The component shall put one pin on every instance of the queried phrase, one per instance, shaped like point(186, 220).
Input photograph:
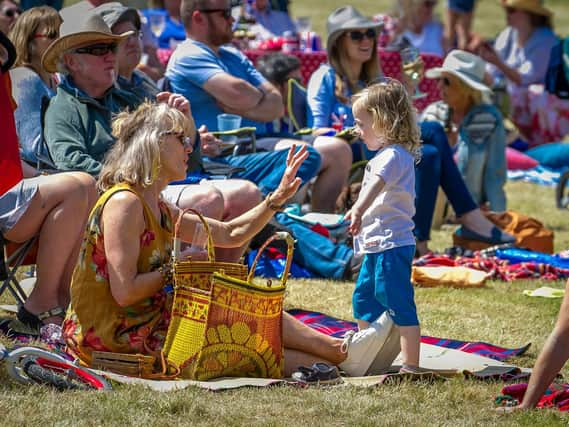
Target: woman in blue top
point(32, 33)
point(352, 65)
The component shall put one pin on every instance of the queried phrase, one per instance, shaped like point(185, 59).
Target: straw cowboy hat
point(467, 67)
point(78, 33)
point(347, 18)
point(533, 6)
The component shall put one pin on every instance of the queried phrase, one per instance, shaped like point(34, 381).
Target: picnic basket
point(225, 324)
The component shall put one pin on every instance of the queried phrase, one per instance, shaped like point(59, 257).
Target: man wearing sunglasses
point(220, 79)
point(77, 125)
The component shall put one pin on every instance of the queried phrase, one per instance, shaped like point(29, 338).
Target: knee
point(433, 133)
point(88, 187)
point(245, 197)
point(204, 198)
point(334, 151)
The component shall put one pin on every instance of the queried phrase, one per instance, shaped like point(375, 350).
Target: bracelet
point(271, 205)
point(166, 272)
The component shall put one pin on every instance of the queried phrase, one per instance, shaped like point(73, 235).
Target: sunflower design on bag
point(231, 351)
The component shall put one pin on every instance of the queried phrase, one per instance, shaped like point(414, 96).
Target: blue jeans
point(437, 168)
point(316, 252)
point(266, 168)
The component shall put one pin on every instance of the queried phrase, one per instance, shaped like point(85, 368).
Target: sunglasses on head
point(10, 13)
point(358, 36)
point(225, 12)
point(98, 49)
point(51, 35)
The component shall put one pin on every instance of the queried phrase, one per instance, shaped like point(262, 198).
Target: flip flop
point(319, 373)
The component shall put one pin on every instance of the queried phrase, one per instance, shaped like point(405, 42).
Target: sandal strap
point(54, 312)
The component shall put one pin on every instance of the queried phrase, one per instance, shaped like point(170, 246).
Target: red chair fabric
point(390, 64)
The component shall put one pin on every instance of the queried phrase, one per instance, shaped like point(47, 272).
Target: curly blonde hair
point(393, 114)
point(134, 159)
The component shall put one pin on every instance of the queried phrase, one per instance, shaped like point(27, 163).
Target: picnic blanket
point(556, 396)
point(500, 269)
point(539, 175)
point(337, 328)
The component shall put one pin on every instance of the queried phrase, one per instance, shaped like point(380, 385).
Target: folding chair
point(14, 256)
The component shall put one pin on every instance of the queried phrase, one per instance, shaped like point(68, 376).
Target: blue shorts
point(384, 284)
point(464, 6)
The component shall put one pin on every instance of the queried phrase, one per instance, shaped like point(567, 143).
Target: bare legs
point(457, 29)
point(336, 157)
point(58, 212)
point(304, 346)
point(222, 200)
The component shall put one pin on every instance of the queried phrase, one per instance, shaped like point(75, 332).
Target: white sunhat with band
point(80, 32)
point(466, 66)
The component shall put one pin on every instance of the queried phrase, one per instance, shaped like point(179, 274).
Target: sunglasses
point(358, 36)
point(51, 35)
point(10, 13)
point(430, 3)
point(225, 12)
point(445, 81)
point(98, 49)
point(186, 141)
point(510, 10)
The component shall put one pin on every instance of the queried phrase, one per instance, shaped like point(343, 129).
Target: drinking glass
point(157, 23)
point(413, 67)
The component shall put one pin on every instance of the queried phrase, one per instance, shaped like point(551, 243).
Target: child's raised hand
point(355, 219)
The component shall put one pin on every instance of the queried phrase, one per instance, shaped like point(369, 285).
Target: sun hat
point(79, 32)
point(347, 18)
point(533, 6)
point(466, 66)
point(114, 13)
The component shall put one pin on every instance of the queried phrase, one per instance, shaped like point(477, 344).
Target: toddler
point(382, 216)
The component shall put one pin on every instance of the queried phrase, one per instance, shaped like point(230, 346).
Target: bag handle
point(279, 235)
point(177, 242)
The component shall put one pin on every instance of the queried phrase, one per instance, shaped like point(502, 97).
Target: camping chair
point(14, 256)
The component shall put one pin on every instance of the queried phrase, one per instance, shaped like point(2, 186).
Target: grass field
point(498, 313)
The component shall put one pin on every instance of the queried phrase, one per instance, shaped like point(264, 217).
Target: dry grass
point(498, 313)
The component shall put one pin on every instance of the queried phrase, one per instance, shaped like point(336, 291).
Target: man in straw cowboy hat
point(78, 120)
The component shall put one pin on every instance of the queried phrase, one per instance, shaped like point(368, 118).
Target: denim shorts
point(15, 202)
point(464, 6)
point(384, 284)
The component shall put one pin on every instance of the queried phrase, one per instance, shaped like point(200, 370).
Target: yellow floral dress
point(94, 321)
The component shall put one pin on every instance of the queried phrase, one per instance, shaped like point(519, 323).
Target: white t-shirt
point(388, 222)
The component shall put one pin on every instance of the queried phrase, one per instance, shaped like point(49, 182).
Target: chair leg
point(10, 282)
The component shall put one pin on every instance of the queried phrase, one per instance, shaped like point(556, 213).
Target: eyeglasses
point(186, 141)
point(358, 36)
point(98, 49)
point(10, 13)
point(225, 12)
point(51, 35)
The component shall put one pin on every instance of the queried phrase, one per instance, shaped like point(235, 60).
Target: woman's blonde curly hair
point(393, 114)
point(134, 159)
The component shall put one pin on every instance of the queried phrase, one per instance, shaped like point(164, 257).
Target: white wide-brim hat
point(90, 29)
point(466, 66)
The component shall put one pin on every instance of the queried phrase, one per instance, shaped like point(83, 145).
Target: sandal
point(319, 373)
point(29, 324)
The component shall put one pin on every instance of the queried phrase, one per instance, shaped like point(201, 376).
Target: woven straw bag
point(226, 325)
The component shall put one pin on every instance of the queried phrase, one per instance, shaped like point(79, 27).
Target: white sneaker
point(391, 346)
point(364, 346)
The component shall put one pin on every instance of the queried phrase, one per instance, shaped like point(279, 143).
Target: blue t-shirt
point(322, 101)
point(193, 63)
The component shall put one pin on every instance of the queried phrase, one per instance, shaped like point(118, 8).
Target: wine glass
point(157, 23)
point(413, 67)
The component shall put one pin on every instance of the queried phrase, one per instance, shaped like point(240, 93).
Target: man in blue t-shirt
point(217, 78)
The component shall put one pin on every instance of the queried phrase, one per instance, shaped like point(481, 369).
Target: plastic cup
point(227, 122)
